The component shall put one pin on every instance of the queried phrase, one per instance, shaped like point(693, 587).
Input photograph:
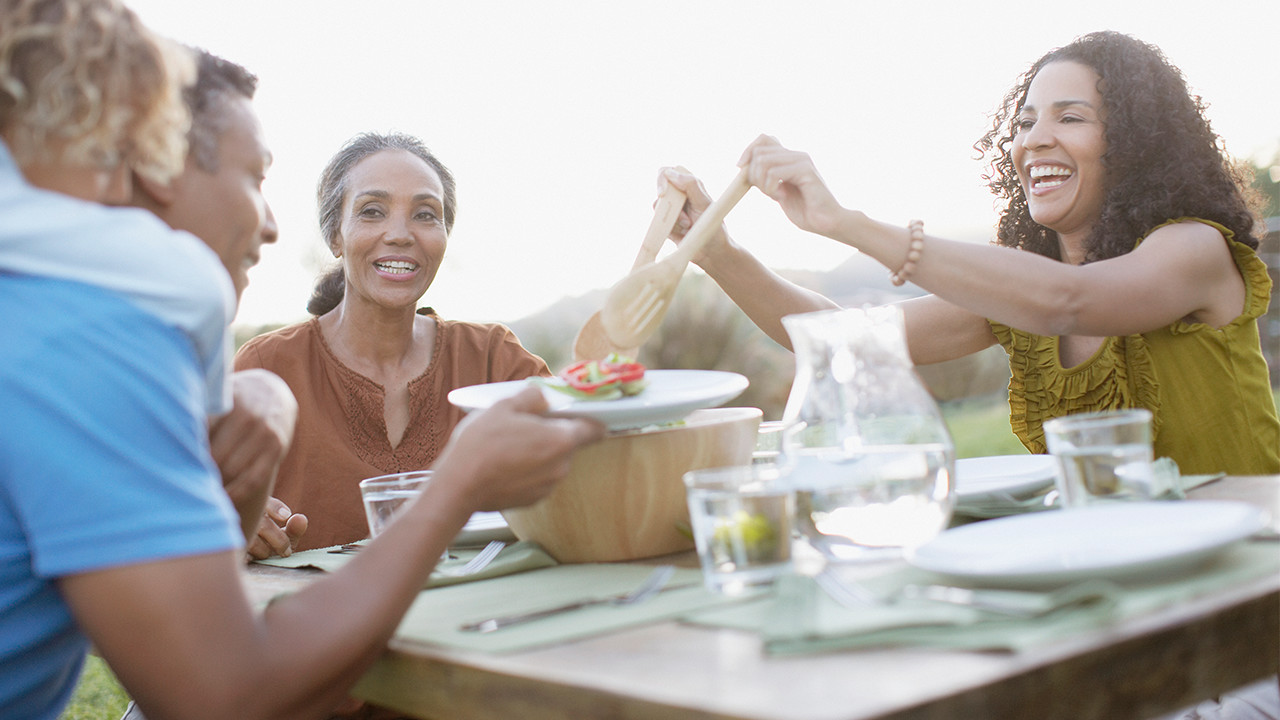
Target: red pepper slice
point(606, 374)
point(626, 372)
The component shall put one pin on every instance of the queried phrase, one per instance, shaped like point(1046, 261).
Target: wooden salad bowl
point(624, 497)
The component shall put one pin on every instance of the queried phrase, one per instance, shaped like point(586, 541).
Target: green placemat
point(515, 558)
point(437, 615)
point(800, 618)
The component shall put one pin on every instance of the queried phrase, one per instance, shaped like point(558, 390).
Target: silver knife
point(497, 623)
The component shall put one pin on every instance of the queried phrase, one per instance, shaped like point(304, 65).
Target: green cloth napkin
point(799, 618)
point(437, 615)
point(515, 558)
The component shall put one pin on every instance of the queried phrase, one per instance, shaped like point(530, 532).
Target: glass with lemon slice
point(741, 519)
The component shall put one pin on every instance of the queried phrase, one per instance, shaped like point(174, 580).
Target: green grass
point(980, 426)
point(98, 696)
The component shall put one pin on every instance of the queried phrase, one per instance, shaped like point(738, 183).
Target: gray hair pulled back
point(332, 191)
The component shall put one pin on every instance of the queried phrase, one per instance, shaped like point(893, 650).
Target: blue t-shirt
point(104, 461)
point(169, 273)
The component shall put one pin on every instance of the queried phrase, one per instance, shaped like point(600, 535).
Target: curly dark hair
point(1162, 160)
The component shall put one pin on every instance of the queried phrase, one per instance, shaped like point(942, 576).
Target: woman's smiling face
point(392, 237)
point(1058, 147)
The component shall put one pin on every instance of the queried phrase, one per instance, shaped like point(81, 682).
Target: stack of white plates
point(1003, 484)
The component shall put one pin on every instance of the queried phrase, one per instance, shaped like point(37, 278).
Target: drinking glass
point(1103, 456)
point(741, 518)
point(385, 495)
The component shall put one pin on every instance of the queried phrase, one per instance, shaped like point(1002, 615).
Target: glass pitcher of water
point(865, 446)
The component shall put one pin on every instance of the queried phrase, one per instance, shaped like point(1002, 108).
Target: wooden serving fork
point(638, 302)
point(592, 343)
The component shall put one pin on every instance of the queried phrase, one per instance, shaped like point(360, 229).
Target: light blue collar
point(9, 172)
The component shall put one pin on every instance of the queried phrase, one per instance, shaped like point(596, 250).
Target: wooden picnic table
point(1141, 668)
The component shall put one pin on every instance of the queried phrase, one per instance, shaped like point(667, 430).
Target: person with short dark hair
point(218, 198)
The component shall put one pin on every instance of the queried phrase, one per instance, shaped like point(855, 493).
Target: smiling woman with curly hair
point(1123, 274)
point(1162, 159)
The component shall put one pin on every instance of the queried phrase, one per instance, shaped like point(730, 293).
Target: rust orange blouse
point(341, 437)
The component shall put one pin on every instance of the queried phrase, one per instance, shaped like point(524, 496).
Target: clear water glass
point(386, 495)
point(741, 518)
point(1103, 456)
point(768, 442)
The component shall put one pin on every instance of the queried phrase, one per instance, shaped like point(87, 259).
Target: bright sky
point(556, 116)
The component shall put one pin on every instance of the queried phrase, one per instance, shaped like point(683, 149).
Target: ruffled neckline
point(1119, 374)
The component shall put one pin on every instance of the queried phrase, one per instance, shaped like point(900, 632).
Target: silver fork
point(652, 585)
point(477, 563)
point(1017, 603)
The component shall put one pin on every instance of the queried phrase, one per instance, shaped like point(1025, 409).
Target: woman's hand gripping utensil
point(592, 343)
point(638, 302)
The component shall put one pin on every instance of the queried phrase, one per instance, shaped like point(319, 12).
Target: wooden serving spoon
point(592, 342)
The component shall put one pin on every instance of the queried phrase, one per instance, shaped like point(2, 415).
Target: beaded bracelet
point(914, 251)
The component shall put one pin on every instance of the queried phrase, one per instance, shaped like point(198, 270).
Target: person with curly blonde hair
point(88, 96)
point(96, 107)
point(87, 85)
point(115, 527)
point(1124, 273)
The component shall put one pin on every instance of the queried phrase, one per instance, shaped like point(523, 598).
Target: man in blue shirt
point(105, 463)
point(218, 198)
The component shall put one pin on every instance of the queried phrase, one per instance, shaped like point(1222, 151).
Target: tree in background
point(1266, 178)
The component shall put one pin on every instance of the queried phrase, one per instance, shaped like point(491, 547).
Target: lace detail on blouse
point(363, 404)
point(1119, 375)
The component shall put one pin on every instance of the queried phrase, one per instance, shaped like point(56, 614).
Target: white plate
point(670, 396)
point(1003, 476)
point(1120, 541)
point(482, 528)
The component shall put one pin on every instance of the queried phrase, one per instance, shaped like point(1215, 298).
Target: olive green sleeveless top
point(1207, 388)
